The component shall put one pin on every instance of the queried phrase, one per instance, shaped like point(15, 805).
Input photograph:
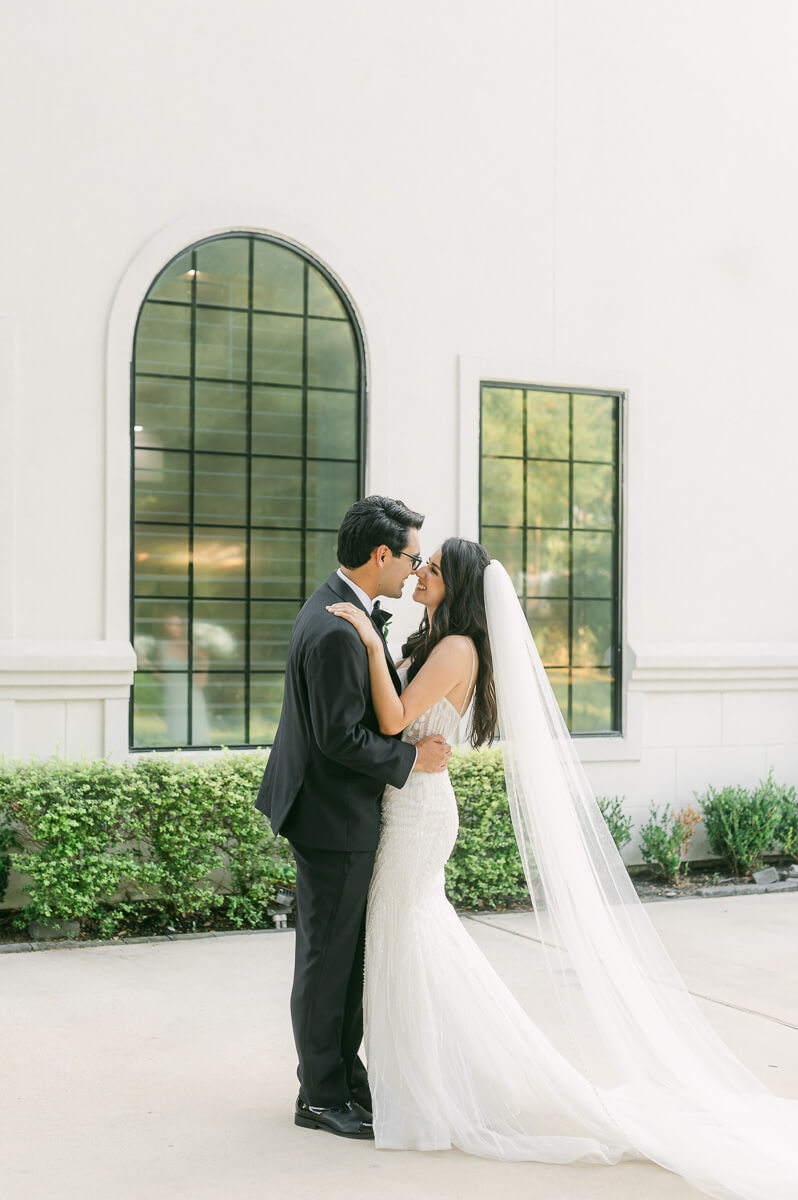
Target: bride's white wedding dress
point(453, 1059)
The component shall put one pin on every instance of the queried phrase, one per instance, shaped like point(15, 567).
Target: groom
point(321, 790)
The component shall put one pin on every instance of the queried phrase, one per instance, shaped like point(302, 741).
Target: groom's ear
point(380, 555)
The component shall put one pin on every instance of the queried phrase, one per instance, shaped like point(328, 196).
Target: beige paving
point(167, 1070)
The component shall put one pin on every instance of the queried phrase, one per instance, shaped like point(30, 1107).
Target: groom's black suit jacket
point(329, 763)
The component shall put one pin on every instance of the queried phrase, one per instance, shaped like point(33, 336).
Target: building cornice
point(50, 669)
point(712, 666)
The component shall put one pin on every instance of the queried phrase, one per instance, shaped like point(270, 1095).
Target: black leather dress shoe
point(345, 1121)
point(363, 1100)
point(365, 1113)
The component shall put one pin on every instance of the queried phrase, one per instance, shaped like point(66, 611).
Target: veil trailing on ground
point(664, 1077)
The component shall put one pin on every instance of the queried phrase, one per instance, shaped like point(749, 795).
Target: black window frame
point(361, 389)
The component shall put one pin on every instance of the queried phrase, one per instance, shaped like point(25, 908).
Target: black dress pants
point(327, 993)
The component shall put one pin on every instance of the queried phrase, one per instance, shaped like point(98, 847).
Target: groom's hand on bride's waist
point(433, 754)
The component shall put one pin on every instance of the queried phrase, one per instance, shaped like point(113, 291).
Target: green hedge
point(97, 837)
point(485, 867)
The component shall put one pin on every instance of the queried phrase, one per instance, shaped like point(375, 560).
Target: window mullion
point(248, 568)
point(192, 452)
point(570, 561)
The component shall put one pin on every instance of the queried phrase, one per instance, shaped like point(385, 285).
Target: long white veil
point(664, 1077)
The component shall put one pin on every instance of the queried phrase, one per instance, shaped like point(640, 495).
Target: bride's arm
point(448, 664)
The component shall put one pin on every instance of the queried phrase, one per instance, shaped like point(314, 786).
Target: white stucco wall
point(555, 191)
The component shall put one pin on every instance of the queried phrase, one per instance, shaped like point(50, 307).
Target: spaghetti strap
point(471, 680)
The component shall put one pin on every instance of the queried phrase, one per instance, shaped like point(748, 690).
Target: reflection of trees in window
point(247, 416)
point(549, 510)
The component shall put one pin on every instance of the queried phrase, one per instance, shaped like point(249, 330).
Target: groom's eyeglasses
point(415, 559)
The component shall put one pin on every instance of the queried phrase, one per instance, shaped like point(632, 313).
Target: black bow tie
point(379, 615)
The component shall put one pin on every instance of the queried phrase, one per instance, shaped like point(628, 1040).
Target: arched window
point(247, 432)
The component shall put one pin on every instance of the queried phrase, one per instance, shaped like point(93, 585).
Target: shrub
point(665, 838)
point(96, 836)
point(70, 815)
point(485, 867)
point(741, 824)
point(9, 840)
point(786, 834)
point(619, 825)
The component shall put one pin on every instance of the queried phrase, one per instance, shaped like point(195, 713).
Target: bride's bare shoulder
point(455, 646)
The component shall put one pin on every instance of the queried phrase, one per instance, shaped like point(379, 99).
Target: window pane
point(160, 633)
point(265, 698)
point(332, 487)
point(547, 424)
point(332, 356)
point(593, 488)
point(219, 710)
point(502, 492)
point(270, 633)
point(593, 633)
point(220, 562)
point(547, 563)
point(220, 417)
point(223, 272)
point(276, 349)
point(593, 564)
point(332, 424)
point(276, 421)
point(276, 564)
point(276, 491)
point(558, 678)
point(162, 485)
point(322, 558)
point(278, 276)
point(163, 339)
point(160, 559)
point(160, 709)
point(221, 343)
point(548, 621)
point(323, 300)
point(220, 634)
point(508, 546)
point(547, 489)
point(592, 700)
point(503, 421)
point(163, 410)
point(220, 488)
point(175, 282)
point(594, 427)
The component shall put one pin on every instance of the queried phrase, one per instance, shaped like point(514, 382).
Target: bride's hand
point(361, 621)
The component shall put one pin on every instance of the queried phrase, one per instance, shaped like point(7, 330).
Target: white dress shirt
point(365, 600)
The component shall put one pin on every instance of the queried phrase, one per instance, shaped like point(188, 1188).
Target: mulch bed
point(653, 889)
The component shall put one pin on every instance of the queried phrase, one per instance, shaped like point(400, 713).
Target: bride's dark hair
point(462, 610)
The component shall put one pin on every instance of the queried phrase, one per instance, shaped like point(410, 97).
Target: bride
point(453, 1059)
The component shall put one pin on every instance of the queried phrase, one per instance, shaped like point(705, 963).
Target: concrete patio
point(148, 1071)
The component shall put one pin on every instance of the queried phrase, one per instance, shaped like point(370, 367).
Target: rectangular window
point(549, 509)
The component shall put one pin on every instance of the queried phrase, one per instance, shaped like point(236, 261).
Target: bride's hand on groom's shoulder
point(361, 621)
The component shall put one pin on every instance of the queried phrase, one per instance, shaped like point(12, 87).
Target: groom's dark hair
point(375, 521)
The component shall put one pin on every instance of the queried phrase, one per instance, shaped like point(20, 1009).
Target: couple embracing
point(338, 761)
point(357, 782)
